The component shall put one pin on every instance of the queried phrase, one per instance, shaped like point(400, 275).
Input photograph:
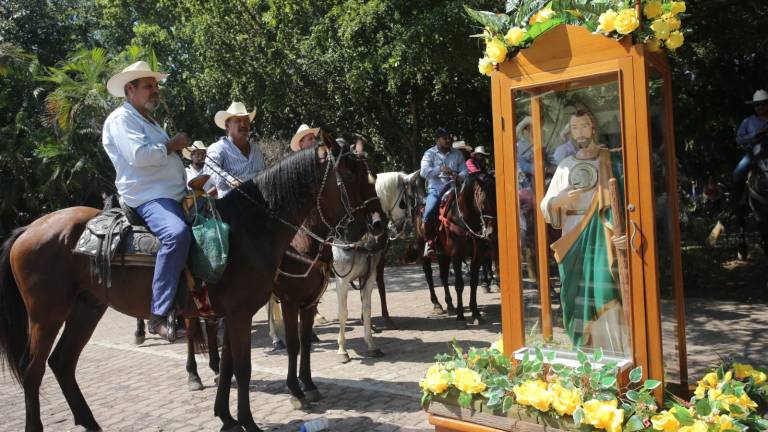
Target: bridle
point(484, 231)
point(403, 193)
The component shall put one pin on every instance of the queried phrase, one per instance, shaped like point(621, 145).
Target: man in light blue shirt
point(752, 129)
point(440, 166)
point(150, 179)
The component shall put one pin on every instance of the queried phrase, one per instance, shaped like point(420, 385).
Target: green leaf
point(539, 29)
point(636, 374)
point(583, 359)
point(736, 410)
point(682, 415)
point(703, 407)
point(551, 356)
point(635, 423)
point(632, 395)
point(539, 354)
point(507, 404)
point(651, 384)
point(558, 368)
point(608, 382)
point(598, 354)
point(465, 399)
point(578, 416)
point(495, 22)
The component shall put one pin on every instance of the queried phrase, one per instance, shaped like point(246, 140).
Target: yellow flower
point(662, 29)
point(709, 380)
point(541, 16)
point(675, 40)
point(514, 36)
point(700, 392)
point(565, 401)
point(603, 414)
point(626, 22)
point(725, 422)
point(496, 51)
point(697, 426)
point(652, 9)
point(498, 345)
point(744, 371)
point(673, 21)
point(535, 394)
point(436, 379)
point(665, 421)
point(746, 402)
point(678, 7)
point(485, 66)
point(607, 21)
point(468, 381)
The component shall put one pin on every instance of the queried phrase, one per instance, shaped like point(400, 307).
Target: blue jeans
point(742, 169)
point(431, 207)
point(165, 219)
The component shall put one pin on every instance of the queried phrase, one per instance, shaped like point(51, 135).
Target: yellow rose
point(565, 401)
point(675, 40)
point(468, 381)
point(661, 28)
point(665, 421)
point(697, 426)
point(541, 16)
point(496, 51)
point(514, 36)
point(626, 22)
point(499, 344)
point(673, 21)
point(485, 66)
point(678, 7)
point(653, 45)
point(603, 415)
point(436, 379)
point(607, 21)
point(652, 9)
point(529, 392)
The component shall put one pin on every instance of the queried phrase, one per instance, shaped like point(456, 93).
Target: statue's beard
point(583, 142)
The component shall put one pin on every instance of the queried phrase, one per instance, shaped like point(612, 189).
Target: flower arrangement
point(588, 396)
point(658, 25)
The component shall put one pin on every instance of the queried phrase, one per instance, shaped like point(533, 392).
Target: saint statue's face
point(582, 130)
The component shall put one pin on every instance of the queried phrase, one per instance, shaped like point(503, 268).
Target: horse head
point(477, 201)
point(400, 199)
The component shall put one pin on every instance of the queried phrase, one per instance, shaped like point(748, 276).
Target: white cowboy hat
point(525, 122)
point(197, 145)
point(480, 150)
point(140, 69)
point(461, 145)
point(235, 109)
point(303, 131)
point(759, 96)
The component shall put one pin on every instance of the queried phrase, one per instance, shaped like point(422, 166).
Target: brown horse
point(44, 285)
point(468, 233)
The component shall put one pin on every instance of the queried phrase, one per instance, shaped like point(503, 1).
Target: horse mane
point(388, 188)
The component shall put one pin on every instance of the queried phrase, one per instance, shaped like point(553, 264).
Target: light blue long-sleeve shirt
point(144, 169)
point(432, 162)
point(749, 129)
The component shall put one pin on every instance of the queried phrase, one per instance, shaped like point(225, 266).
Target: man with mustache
point(233, 159)
point(150, 179)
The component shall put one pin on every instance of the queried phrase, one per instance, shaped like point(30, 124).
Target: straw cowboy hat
point(759, 96)
point(480, 150)
point(525, 122)
point(303, 131)
point(461, 145)
point(197, 145)
point(235, 109)
point(140, 69)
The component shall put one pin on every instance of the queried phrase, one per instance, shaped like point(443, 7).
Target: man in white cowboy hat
point(150, 178)
point(462, 146)
point(234, 158)
point(751, 130)
point(476, 162)
point(304, 137)
point(440, 166)
point(196, 155)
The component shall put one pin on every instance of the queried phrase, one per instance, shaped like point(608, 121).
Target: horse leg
point(139, 336)
point(366, 291)
point(193, 379)
point(444, 263)
point(305, 371)
point(78, 330)
point(437, 308)
point(341, 291)
point(383, 293)
point(221, 405)
point(474, 270)
point(211, 331)
point(41, 337)
point(459, 283)
point(240, 347)
point(290, 323)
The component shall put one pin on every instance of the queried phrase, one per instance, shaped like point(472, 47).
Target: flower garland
point(726, 399)
point(504, 35)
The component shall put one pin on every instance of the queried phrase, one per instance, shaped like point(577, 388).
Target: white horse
point(398, 194)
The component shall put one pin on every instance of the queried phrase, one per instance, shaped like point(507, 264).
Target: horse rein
point(484, 228)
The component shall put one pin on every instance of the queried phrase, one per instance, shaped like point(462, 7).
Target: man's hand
point(445, 170)
point(178, 142)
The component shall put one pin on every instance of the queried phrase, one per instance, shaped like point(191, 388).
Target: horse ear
point(410, 178)
point(328, 141)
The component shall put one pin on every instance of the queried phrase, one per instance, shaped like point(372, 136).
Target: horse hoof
point(299, 404)
point(487, 289)
point(313, 395)
point(451, 310)
point(478, 320)
point(437, 310)
point(375, 329)
point(194, 385)
point(138, 340)
point(278, 345)
point(343, 358)
point(374, 353)
point(216, 379)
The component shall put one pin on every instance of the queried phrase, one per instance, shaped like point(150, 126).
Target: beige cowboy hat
point(303, 131)
point(461, 145)
point(525, 122)
point(140, 69)
point(235, 109)
point(197, 145)
point(480, 150)
point(759, 96)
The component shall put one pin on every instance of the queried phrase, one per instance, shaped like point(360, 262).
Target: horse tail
point(14, 337)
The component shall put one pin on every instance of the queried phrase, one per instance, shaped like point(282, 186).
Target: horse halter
point(484, 232)
point(402, 194)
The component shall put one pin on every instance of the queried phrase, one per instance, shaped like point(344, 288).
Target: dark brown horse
point(469, 232)
point(44, 285)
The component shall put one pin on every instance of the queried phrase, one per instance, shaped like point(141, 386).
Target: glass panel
point(664, 225)
point(576, 137)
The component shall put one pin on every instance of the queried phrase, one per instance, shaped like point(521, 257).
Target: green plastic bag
point(210, 248)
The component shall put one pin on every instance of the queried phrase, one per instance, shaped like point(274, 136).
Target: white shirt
point(144, 169)
point(192, 173)
point(432, 163)
point(231, 165)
